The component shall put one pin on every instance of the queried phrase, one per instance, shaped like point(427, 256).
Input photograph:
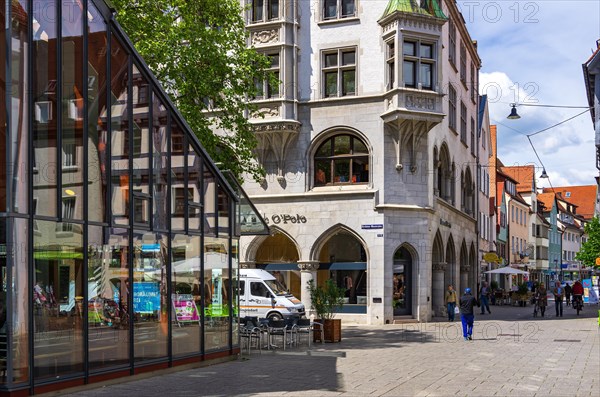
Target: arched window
point(443, 174)
point(340, 160)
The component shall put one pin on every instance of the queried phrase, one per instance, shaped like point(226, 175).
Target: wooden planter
point(332, 331)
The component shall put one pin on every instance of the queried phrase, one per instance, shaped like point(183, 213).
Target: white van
point(261, 295)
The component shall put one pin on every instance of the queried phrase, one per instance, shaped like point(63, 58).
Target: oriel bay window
point(339, 72)
point(391, 64)
point(269, 86)
point(419, 64)
point(341, 159)
point(336, 9)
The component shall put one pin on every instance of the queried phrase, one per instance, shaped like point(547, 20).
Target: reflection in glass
point(72, 111)
point(3, 164)
point(20, 291)
point(179, 191)
point(97, 112)
point(160, 167)
point(216, 293)
point(210, 205)
point(141, 149)
point(194, 190)
point(119, 134)
point(186, 279)
point(150, 296)
point(57, 301)
point(235, 299)
point(223, 201)
point(18, 172)
point(44, 87)
point(108, 289)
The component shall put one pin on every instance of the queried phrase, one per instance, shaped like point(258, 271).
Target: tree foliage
point(325, 299)
point(590, 250)
point(198, 51)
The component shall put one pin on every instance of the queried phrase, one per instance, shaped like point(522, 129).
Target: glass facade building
point(118, 235)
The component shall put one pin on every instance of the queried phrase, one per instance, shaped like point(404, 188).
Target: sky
point(531, 53)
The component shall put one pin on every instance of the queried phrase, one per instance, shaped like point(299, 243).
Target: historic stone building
point(370, 144)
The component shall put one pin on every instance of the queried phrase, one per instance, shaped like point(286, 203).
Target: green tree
point(590, 250)
point(198, 51)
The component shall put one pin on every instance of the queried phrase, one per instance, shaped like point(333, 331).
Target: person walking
point(541, 296)
point(568, 290)
point(484, 293)
point(558, 293)
point(467, 316)
point(451, 299)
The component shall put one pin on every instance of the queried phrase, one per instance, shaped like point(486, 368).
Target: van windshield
point(276, 287)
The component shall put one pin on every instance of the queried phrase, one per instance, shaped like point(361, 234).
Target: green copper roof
point(424, 7)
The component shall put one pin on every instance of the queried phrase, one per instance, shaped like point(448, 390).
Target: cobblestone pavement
point(512, 354)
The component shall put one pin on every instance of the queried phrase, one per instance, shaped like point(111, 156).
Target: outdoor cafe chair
point(277, 328)
point(251, 333)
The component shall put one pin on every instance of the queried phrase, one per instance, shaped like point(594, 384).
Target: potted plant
point(325, 300)
point(522, 293)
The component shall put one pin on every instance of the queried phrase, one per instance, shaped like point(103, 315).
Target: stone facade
point(411, 210)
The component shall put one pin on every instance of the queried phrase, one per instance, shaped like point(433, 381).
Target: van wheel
point(275, 317)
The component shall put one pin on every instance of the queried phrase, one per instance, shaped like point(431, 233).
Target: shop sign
point(491, 257)
point(284, 218)
point(185, 308)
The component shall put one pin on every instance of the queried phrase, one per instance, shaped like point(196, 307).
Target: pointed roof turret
point(423, 7)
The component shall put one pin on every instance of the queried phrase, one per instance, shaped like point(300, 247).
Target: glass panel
point(342, 171)
point(323, 172)
point(141, 149)
point(119, 134)
point(360, 170)
point(223, 208)
point(408, 71)
point(348, 81)
point(20, 113)
point(97, 113)
point(108, 295)
point(359, 147)
point(72, 108)
point(160, 166)
point(409, 48)
point(425, 75)
point(341, 145)
point(329, 9)
point(186, 280)
point(216, 293)
point(235, 299)
point(257, 10)
point(347, 8)
point(194, 190)
point(273, 9)
point(210, 205)
point(426, 51)
point(58, 300)
point(150, 295)
point(324, 149)
point(20, 293)
point(331, 84)
point(331, 60)
point(3, 133)
point(348, 58)
point(178, 185)
point(44, 97)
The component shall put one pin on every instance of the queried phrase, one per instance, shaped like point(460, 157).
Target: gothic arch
point(437, 249)
point(473, 266)
point(450, 271)
point(331, 232)
point(255, 244)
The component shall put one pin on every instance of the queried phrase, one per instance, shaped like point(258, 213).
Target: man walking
point(467, 317)
point(567, 293)
point(484, 293)
point(451, 300)
point(558, 293)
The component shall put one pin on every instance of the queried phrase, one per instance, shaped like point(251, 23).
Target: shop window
point(341, 159)
point(217, 292)
point(339, 72)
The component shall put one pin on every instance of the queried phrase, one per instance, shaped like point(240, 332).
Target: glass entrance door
point(402, 280)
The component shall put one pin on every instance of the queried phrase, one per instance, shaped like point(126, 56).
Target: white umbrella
point(507, 270)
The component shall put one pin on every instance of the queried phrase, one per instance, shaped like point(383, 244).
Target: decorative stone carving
point(439, 267)
point(269, 111)
point(308, 266)
point(265, 36)
point(420, 102)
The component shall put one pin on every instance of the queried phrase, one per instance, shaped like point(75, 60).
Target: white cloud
point(532, 53)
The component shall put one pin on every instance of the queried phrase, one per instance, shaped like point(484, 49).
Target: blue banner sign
point(146, 297)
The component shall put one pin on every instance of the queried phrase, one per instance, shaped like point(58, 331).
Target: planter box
point(332, 331)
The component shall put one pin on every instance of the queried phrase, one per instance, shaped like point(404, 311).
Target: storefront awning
point(343, 266)
point(281, 266)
